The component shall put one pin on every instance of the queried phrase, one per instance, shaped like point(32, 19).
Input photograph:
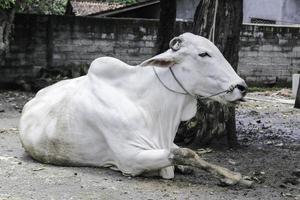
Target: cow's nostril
point(242, 88)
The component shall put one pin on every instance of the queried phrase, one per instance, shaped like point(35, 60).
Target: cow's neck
point(165, 108)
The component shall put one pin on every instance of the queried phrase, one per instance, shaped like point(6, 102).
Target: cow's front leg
point(183, 169)
point(184, 156)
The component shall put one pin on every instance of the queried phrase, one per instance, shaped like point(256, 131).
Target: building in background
point(84, 8)
point(284, 12)
point(147, 9)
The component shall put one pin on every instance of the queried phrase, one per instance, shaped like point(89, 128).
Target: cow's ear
point(176, 43)
point(165, 59)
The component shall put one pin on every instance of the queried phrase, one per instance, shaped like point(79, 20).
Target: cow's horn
point(175, 43)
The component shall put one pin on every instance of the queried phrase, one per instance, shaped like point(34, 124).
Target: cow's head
point(201, 68)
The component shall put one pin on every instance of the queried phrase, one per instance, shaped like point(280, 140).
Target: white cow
point(126, 117)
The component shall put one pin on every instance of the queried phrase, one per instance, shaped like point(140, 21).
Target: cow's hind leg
point(184, 156)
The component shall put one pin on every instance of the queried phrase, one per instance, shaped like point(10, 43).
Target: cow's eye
point(204, 54)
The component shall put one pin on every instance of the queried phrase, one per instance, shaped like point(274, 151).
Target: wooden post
point(166, 26)
point(297, 101)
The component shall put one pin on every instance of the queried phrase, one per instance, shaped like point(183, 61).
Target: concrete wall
point(69, 45)
point(282, 11)
point(64, 41)
point(269, 54)
point(72, 43)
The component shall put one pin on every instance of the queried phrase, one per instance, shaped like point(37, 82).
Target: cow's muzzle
point(237, 92)
point(243, 88)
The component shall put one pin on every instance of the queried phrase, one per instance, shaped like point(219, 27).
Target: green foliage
point(18, 4)
point(6, 4)
point(50, 7)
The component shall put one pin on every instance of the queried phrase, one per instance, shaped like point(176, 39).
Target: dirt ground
point(269, 153)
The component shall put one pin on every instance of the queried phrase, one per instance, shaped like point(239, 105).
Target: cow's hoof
point(242, 182)
point(246, 183)
point(227, 182)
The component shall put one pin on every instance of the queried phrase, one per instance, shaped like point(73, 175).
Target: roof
point(125, 8)
point(86, 7)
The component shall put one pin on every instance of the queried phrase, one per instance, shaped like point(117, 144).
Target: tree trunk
point(166, 24)
point(297, 101)
point(6, 24)
point(213, 119)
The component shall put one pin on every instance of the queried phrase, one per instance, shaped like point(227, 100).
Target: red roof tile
point(83, 8)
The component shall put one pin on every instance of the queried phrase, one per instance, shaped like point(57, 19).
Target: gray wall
point(268, 54)
point(282, 11)
point(69, 44)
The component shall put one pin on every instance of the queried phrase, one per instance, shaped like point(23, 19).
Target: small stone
point(269, 142)
point(283, 186)
point(279, 145)
point(296, 172)
point(75, 174)
point(232, 162)
point(293, 181)
point(166, 195)
point(38, 169)
point(288, 194)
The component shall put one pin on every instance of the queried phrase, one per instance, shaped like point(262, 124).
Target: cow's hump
point(109, 68)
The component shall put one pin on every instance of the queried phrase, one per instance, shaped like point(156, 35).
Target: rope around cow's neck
point(185, 90)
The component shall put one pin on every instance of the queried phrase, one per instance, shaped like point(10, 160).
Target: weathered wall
point(269, 54)
point(281, 11)
point(69, 44)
